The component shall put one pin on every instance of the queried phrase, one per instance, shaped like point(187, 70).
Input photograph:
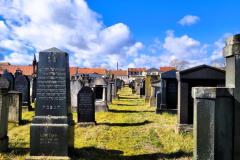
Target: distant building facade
point(136, 73)
point(120, 74)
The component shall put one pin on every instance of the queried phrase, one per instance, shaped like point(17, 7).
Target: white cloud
point(188, 20)
point(18, 58)
point(134, 49)
point(69, 25)
point(183, 47)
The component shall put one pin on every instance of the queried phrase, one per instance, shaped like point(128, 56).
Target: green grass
point(129, 131)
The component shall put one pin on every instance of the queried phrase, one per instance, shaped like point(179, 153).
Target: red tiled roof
point(136, 69)
point(27, 70)
point(119, 72)
point(165, 69)
point(87, 70)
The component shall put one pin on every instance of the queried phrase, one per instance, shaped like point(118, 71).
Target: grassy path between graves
point(129, 131)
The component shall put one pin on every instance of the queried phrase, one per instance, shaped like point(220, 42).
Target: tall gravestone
point(147, 88)
point(86, 106)
point(22, 84)
point(75, 88)
point(9, 76)
point(4, 86)
point(217, 112)
point(109, 91)
point(51, 132)
point(15, 107)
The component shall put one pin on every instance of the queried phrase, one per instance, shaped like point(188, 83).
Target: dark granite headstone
point(4, 107)
point(199, 76)
point(22, 84)
point(18, 73)
point(52, 127)
point(9, 76)
point(86, 105)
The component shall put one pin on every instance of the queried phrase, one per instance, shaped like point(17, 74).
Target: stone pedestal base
point(3, 144)
point(152, 101)
point(171, 111)
point(86, 124)
point(184, 128)
point(101, 106)
point(147, 99)
point(74, 108)
point(142, 96)
point(47, 158)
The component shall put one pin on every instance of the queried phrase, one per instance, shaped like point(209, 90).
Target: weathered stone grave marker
point(167, 102)
point(22, 84)
point(217, 112)
point(4, 107)
point(51, 132)
point(202, 75)
point(75, 88)
point(15, 107)
point(9, 76)
point(100, 90)
point(86, 106)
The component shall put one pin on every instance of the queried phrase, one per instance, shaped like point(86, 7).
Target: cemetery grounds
point(131, 130)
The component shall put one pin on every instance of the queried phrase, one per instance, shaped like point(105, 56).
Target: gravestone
point(142, 89)
point(99, 86)
point(15, 107)
point(155, 87)
point(51, 131)
point(109, 91)
point(199, 76)
point(169, 90)
point(158, 100)
point(114, 88)
point(75, 88)
point(147, 88)
point(213, 123)
point(9, 76)
point(22, 84)
point(86, 106)
point(4, 107)
point(18, 73)
point(222, 106)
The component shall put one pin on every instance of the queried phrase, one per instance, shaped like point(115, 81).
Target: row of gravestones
point(201, 99)
point(20, 83)
point(172, 93)
point(105, 90)
point(52, 128)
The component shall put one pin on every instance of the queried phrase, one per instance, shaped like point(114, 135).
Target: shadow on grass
point(125, 124)
point(128, 111)
point(92, 153)
point(123, 104)
point(24, 122)
point(17, 151)
point(128, 98)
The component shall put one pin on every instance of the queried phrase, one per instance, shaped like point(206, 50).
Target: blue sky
point(135, 33)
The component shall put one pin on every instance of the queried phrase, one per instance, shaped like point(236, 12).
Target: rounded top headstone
point(99, 82)
point(4, 83)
